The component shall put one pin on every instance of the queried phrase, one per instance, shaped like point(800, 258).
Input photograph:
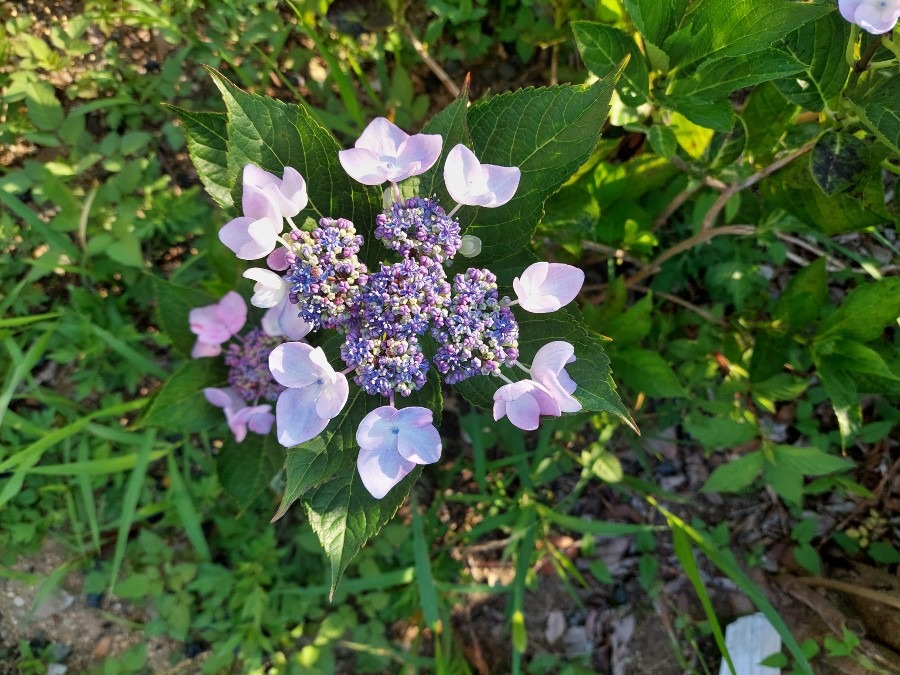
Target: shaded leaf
point(603, 48)
point(838, 162)
point(180, 405)
point(207, 140)
point(736, 475)
point(879, 110)
point(246, 469)
point(173, 307)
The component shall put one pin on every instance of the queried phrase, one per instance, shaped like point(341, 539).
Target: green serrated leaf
point(656, 20)
point(735, 476)
point(879, 110)
point(725, 28)
point(663, 141)
point(844, 396)
point(273, 135)
point(809, 461)
point(548, 133)
point(838, 162)
point(180, 405)
point(591, 371)
point(820, 47)
point(344, 516)
point(44, 109)
point(715, 115)
point(246, 469)
point(717, 78)
point(207, 140)
point(643, 370)
point(451, 124)
point(865, 312)
point(603, 48)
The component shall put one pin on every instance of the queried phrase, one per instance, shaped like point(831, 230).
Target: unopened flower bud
point(471, 246)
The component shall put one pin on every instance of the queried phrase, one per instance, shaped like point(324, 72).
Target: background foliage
point(736, 221)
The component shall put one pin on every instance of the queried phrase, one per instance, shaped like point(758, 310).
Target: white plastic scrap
point(749, 640)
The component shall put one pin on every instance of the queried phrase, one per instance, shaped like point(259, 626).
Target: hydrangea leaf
point(344, 516)
point(656, 20)
point(245, 469)
point(717, 78)
point(879, 110)
point(548, 133)
point(207, 141)
point(722, 28)
point(591, 370)
point(603, 47)
point(819, 46)
point(180, 405)
point(838, 162)
point(272, 134)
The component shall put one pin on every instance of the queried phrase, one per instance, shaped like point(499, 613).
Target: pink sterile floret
point(384, 152)
point(315, 392)
point(214, 324)
point(545, 287)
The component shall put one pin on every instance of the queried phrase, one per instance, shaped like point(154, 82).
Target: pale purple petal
point(548, 370)
point(296, 420)
point(232, 312)
point(269, 288)
point(875, 18)
point(545, 287)
point(249, 239)
point(278, 260)
point(419, 153)
point(205, 349)
point(293, 190)
point(223, 398)
point(261, 420)
point(363, 166)
point(259, 205)
point(291, 366)
point(374, 427)
point(382, 137)
point(418, 439)
point(848, 9)
point(288, 195)
point(284, 320)
point(523, 403)
point(502, 181)
point(205, 323)
point(237, 421)
point(380, 470)
point(333, 397)
point(475, 184)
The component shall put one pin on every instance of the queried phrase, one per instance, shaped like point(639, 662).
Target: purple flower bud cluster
point(383, 314)
point(326, 275)
point(248, 367)
point(421, 225)
point(480, 334)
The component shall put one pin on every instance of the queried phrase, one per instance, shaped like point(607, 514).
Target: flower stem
point(522, 366)
point(455, 209)
point(850, 54)
point(391, 399)
point(504, 378)
point(293, 226)
point(397, 197)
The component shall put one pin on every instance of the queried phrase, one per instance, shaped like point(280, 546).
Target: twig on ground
point(433, 65)
point(853, 589)
point(684, 303)
point(710, 218)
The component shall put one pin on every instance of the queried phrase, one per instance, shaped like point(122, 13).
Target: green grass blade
point(689, 564)
point(424, 577)
point(128, 353)
point(186, 511)
point(19, 321)
point(87, 496)
point(22, 366)
point(129, 505)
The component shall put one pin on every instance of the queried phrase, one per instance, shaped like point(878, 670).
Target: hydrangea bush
point(391, 269)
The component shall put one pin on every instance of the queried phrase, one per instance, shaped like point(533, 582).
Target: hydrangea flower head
point(217, 323)
point(475, 184)
point(248, 366)
point(875, 16)
point(384, 152)
point(315, 392)
point(392, 442)
point(545, 287)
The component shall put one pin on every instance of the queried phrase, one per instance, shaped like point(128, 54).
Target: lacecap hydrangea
point(386, 315)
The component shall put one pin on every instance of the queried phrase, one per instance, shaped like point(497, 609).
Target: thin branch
point(682, 246)
point(684, 303)
point(433, 65)
point(844, 587)
point(617, 253)
point(710, 218)
point(674, 205)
